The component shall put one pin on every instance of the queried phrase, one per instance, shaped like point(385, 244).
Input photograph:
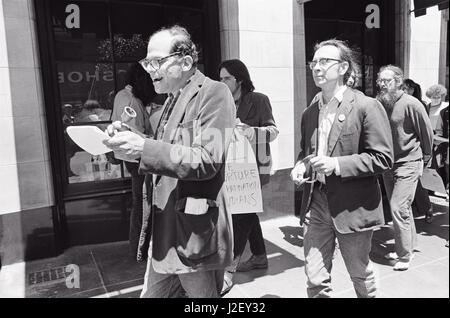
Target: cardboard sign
point(242, 185)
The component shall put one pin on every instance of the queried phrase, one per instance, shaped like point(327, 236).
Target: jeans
point(319, 243)
point(207, 284)
point(137, 185)
point(400, 183)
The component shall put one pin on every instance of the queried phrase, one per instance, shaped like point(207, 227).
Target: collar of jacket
point(339, 96)
point(186, 94)
point(345, 107)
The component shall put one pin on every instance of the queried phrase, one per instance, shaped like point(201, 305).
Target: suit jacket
point(361, 139)
point(255, 110)
point(188, 162)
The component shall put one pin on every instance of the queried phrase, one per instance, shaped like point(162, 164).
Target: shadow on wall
point(26, 235)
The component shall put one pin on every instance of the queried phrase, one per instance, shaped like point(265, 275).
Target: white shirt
point(327, 114)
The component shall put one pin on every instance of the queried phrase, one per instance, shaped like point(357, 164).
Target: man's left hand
point(126, 144)
point(323, 164)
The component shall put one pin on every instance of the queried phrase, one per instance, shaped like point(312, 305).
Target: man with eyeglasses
point(192, 240)
point(345, 144)
point(412, 135)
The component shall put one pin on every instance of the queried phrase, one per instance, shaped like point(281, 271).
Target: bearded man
point(412, 135)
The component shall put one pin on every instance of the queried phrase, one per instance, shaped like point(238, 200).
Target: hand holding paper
point(125, 144)
point(245, 130)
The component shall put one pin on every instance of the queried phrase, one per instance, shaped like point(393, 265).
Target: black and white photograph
point(229, 150)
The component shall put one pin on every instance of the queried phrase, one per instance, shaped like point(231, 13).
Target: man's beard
point(387, 99)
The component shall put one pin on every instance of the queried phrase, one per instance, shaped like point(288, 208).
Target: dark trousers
point(422, 200)
point(247, 227)
point(137, 184)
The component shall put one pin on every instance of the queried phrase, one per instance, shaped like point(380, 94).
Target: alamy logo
point(72, 276)
point(73, 18)
point(373, 19)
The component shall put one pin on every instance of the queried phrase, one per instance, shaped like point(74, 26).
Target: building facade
point(61, 63)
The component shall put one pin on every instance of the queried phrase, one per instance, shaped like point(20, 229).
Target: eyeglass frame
point(312, 64)
point(149, 62)
point(384, 81)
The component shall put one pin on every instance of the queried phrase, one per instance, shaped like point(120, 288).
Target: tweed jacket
point(187, 161)
point(255, 110)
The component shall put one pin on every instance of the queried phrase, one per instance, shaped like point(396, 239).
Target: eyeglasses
point(386, 81)
point(323, 62)
point(155, 63)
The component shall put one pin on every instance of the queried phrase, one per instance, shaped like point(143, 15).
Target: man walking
point(192, 239)
point(345, 144)
point(412, 136)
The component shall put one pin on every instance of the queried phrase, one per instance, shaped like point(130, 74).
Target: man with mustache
point(345, 144)
point(412, 136)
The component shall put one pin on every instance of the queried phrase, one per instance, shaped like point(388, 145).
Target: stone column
point(229, 29)
point(402, 34)
point(25, 173)
point(443, 48)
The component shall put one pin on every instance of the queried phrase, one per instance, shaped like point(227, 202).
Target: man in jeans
point(412, 136)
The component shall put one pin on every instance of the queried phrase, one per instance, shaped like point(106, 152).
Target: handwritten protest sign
point(242, 185)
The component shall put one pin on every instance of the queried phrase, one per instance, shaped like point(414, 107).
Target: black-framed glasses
point(156, 63)
point(323, 62)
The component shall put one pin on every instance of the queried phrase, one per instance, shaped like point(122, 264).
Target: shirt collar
point(339, 96)
point(178, 92)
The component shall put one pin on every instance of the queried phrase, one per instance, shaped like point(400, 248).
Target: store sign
point(73, 19)
point(85, 73)
point(87, 76)
point(373, 19)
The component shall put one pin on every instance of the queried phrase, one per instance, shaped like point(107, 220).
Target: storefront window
point(80, 30)
point(95, 43)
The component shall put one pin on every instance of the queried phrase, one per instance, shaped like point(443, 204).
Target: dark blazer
point(189, 162)
point(362, 142)
point(255, 110)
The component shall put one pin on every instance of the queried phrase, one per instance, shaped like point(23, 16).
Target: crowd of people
point(349, 142)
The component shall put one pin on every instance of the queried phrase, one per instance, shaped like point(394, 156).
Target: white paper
point(242, 184)
point(89, 138)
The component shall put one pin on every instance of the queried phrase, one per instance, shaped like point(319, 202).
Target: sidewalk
point(107, 271)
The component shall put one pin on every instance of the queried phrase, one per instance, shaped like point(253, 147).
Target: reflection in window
point(86, 90)
point(131, 38)
point(92, 60)
point(132, 48)
point(84, 167)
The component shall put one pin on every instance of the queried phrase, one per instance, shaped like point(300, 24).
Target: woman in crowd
point(257, 123)
point(436, 93)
